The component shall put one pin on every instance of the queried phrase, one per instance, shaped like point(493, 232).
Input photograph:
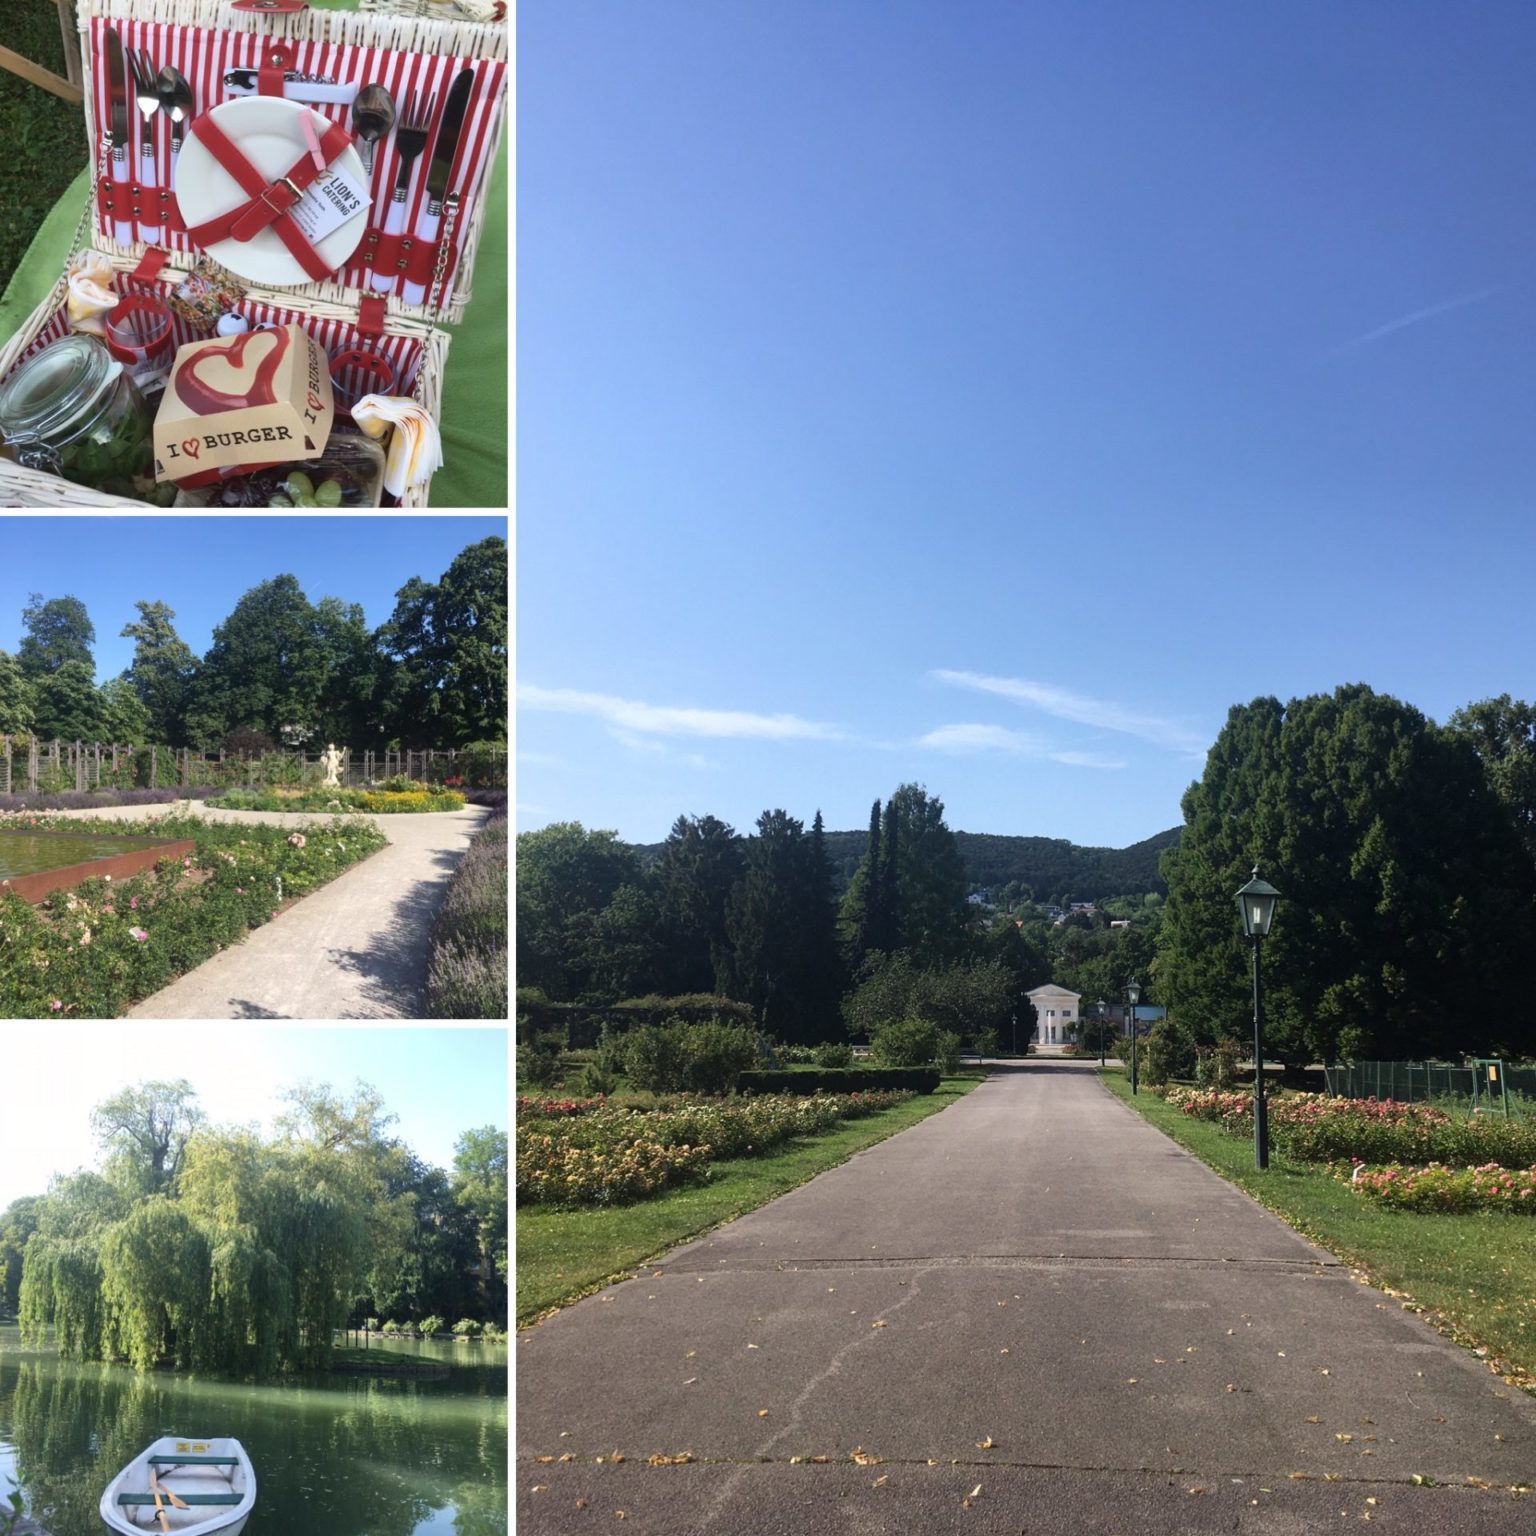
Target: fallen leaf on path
point(1313, 1419)
point(1002, 1351)
point(1130, 1381)
point(881, 1481)
point(681, 1459)
point(976, 1491)
point(1345, 1438)
point(762, 1413)
point(691, 1380)
point(539, 1488)
point(543, 1461)
point(879, 1324)
point(820, 1461)
point(569, 1456)
point(581, 1503)
point(986, 1445)
point(862, 1457)
point(1333, 1477)
point(617, 1457)
point(751, 1346)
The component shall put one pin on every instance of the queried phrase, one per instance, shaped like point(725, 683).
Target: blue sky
point(992, 396)
point(439, 1082)
point(202, 566)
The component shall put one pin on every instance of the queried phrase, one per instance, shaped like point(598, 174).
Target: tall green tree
point(66, 704)
point(700, 863)
point(17, 1224)
point(353, 670)
point(122, 713)
point(480, 1186)
point(448, 642)
point(1405, 902)
point(267, 668)
point(864, 914)
point(17, 701)
point(1502, 732)
point(566, 877)
point(58, 631)
point(775, 927)
point(933, 915)
point(149, 1125)
point(162, 670)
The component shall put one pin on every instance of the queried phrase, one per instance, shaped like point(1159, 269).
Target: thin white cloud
point(542, 759)
point(1087, 760)
point(1159, 729)
point(965, 740)
point(635, 718)
point(1412, 318)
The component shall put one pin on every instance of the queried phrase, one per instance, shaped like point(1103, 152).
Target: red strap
point(150, 263)
point(421, 262)
point(371, 313)
point(269, 76)
point(269, 202)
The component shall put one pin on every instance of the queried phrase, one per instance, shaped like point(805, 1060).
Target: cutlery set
point(417, 124)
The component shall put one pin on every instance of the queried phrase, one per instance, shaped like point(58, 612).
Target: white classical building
point(1056, 1015)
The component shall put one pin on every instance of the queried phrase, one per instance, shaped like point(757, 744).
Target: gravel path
point(1030, 1313)
point(354, 949)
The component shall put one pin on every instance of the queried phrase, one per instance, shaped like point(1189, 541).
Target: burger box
point(273, 47)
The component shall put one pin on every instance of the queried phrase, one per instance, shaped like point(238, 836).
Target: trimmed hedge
point(840, 1080)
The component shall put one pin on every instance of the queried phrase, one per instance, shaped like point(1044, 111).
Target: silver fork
point(147, 94)
point(410, 139)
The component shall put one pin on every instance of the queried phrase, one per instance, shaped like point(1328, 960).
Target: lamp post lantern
point(1133, 996)
point(1256, 901)
point(1101, 1031)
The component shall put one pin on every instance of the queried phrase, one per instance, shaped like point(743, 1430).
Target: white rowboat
point(182, 1484)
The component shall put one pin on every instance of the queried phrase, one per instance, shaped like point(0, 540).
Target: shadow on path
point(392, 966)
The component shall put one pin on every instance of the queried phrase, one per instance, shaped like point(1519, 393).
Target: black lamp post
point(1133, 996)
point(1101, 1031)
point(1256, 901)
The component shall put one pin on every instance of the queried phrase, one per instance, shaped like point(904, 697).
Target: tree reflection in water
point(337, 1455)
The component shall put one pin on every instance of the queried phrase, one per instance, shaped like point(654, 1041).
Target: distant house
point(1056, 1014)
point(1120, 922)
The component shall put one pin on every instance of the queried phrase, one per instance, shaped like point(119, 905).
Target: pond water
point(335, 1455)
point(30, 853)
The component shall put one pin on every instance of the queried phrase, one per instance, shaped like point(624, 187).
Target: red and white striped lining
point(205, 56)
point(335, 336)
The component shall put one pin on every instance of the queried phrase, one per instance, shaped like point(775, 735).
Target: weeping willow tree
point(155, 1281)
point(61, 1289)
point(245, 1258)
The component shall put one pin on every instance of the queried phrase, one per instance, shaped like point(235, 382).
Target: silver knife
point(296, 87)
point(117, 76)
point(430, 219)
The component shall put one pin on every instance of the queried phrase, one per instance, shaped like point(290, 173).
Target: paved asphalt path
point(1032, 1293)
point(354, 949)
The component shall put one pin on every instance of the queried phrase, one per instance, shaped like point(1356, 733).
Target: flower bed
point(1438, 1188)
point(575, 1152)
point(93, 951)
point(379, 802)
point(1318, 1128)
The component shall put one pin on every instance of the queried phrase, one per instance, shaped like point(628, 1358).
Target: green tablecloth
point(474, 472)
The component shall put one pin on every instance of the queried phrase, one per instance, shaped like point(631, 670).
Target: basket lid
point(209, 41)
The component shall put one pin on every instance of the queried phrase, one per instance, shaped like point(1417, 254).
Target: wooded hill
point(1052, 868)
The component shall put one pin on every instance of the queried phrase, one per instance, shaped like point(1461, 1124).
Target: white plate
point(267, 131)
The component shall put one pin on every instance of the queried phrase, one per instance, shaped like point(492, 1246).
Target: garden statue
point(332, 760)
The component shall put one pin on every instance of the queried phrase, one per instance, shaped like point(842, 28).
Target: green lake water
point(335, 1455)
point(30, 853)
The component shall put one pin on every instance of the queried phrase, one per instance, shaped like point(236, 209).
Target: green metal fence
point(1486, 1084)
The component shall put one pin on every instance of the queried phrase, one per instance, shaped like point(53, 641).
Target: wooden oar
point(154, 1488)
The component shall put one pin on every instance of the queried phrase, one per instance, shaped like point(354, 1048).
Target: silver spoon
point(176, 100)
point(373, 115)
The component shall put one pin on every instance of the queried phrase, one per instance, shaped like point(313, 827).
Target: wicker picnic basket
point(203, 38)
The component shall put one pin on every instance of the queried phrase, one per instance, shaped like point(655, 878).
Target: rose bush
point(1437, 1187)
point(95, 950)
point(575, 1152)
point(1318, 1128)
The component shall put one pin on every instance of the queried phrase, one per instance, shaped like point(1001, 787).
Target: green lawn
point(1473, 1276)
point(564, 1255)
point(44, 136)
